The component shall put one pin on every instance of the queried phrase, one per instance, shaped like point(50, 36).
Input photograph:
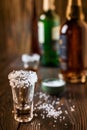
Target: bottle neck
point(34, 13)
point(48, 5)
point(74, 10)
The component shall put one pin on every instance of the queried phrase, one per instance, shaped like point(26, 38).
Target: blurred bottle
point(48, 31)
point(34, 30)
point(73, 44)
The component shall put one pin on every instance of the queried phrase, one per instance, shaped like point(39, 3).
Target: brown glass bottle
point(34, 30)
point(73, 44)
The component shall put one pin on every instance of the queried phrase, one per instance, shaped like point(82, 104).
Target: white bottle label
point(55, 33)
point(41, 32)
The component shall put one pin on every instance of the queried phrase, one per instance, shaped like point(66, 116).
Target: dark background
point(15, 23)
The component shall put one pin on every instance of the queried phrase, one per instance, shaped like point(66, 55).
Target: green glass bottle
point(48, 32)
point(73, 44)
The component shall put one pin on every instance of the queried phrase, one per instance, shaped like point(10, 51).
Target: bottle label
point(63, 51)
point(41, 32)
point(55, 33)
point(63, 47)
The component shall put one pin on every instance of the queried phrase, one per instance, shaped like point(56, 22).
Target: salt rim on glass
point(20, 78)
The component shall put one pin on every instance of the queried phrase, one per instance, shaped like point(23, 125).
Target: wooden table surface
point(70, 108)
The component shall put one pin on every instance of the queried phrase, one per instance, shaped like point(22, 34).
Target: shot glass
point(22, 84)
point(31, 62)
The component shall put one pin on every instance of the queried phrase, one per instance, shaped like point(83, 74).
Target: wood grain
point(73, 103)
point(15, 23)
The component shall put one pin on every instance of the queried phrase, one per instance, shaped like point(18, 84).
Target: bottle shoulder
point(73, 25)
point(49, 15)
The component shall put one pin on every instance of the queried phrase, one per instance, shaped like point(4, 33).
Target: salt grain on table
point(50, 107)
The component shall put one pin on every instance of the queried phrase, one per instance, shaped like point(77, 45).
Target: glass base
point(73, 77)
point(23, 119)
point(23, 114)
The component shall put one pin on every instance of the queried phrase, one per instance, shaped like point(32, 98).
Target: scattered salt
point(35, 115)
point(53, 125)
point(66, 112)
point(65, 124)
point(59, 108)
point(49, 106)
point(63, 117)
point(73, 106)
point(72, 109)
point(55, 121)
point(60, 117)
